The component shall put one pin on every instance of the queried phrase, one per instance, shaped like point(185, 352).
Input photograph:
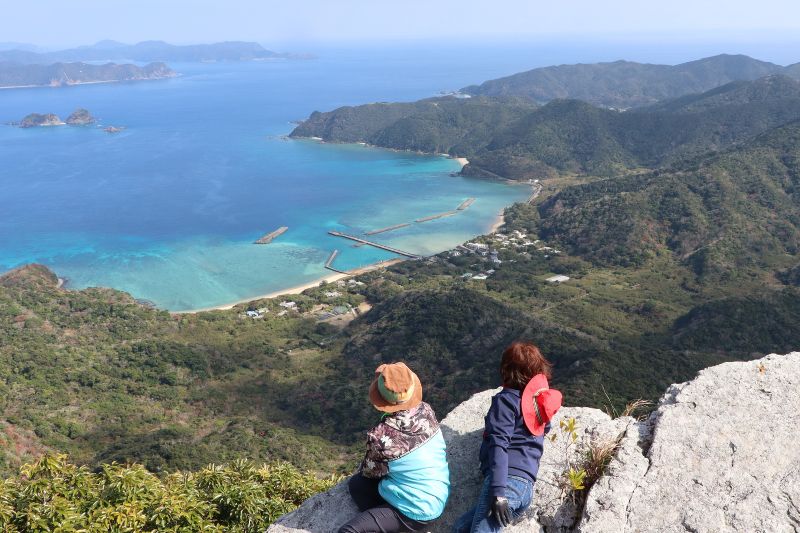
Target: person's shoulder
point(426, 411)
point(507, 399)
point(506, 394)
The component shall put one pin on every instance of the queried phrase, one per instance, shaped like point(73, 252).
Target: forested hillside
point(514, 140)
point(627, 84)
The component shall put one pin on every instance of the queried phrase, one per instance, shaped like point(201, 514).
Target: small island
point(81, 117)
point(34, 120)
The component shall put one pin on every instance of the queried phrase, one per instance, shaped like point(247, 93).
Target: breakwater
point(389, 228)
point(461, 207)
point(269, 237)
point(465, 204)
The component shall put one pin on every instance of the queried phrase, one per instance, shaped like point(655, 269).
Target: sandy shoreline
point(331, 278)
point(498, 221)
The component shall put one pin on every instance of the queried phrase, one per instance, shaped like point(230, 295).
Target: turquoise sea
point(169, 208)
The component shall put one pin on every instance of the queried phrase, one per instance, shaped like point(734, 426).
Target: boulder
point(719, 454)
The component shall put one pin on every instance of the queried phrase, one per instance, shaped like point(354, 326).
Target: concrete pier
point(329, 262)
point(269, 237)
point(465, 204)
point(374, 244)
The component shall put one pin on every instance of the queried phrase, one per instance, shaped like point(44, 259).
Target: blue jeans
point(519, 492)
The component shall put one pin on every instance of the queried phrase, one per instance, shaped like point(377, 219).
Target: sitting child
point(513, 440)
point(403, 482)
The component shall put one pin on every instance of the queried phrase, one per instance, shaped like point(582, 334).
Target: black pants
point(376, 515)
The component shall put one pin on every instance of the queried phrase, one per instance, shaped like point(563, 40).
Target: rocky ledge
point(720, 453)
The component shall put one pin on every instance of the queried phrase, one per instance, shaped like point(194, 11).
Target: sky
point(59, 23)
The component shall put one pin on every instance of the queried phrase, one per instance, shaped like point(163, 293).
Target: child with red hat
point(513, 440)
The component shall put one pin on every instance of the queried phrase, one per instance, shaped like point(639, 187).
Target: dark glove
point(501, 511)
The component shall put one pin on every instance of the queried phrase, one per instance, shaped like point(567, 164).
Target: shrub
point(54, 495)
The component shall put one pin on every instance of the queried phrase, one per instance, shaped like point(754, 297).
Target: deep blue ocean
point(168, 208)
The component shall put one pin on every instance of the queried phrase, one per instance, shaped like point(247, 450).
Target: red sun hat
point(539, 404)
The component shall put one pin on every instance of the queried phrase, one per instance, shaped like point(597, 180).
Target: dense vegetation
point(515, 140)
point(54, 495)
point(626, 84)
point(97, 375)
point(728, 214)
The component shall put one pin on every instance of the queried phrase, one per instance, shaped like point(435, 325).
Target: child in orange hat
point(403, 483)
point(513, 440)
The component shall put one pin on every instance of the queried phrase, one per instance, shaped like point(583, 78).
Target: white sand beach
point(332, 278)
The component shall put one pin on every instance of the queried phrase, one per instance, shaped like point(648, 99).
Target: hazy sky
point(71, 22)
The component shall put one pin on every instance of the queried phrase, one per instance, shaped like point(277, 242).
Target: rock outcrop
point(719, 454)
point(81, 117)
point(38, 119)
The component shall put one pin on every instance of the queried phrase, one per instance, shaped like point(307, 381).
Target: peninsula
point(17, 75)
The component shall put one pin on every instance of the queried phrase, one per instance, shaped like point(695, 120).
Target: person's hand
point(501, 511)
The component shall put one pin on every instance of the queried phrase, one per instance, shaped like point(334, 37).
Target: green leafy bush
point(54, 495)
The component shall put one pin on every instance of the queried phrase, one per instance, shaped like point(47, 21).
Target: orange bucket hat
point(395, 388)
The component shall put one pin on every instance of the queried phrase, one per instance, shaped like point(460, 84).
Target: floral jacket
point(398, 434)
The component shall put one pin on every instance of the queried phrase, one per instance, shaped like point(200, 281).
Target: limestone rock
point(719, 454)
point(724, 457)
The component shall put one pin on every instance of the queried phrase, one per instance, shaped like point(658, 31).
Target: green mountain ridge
point(517, 140)
point(626, 84)
point(723, 213)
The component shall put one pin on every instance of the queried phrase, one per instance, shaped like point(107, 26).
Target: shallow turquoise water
point(168, 209)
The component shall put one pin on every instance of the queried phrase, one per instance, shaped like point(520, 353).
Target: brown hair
point(521, 361)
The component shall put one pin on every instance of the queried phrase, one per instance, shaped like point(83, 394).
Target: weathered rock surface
point(720, 454)
point(725, 456)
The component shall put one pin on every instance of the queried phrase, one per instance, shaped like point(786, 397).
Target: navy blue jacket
point(508, 448)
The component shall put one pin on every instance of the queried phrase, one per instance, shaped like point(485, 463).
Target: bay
point(168, 209)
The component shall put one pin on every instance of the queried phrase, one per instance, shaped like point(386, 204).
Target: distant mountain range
point(148, 51)
point(61, 74)
point(12, 45)
point(626, 84)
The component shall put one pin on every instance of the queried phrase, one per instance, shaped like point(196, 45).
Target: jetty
point(465, 204)
point(269, 237)
point(388, 228)
point(434, 217)
point(374, 244)
point(329, 262)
